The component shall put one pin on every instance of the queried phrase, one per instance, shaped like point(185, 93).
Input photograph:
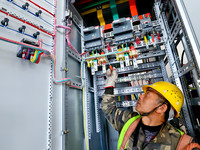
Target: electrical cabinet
point(54, 56)
point(92, 38)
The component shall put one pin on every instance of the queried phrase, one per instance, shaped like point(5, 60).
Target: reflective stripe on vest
point(181, 132)
point(127, 125)
point(124, 129)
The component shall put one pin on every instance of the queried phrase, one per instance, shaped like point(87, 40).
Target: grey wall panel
point(75, 38)
point(74, 69)
point(73, 114)
point(25, 86)
point(74, 65)
point(192, 8)
point(74, 120)
point(24, 101)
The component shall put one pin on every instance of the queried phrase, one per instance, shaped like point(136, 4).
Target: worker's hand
point(111, 78)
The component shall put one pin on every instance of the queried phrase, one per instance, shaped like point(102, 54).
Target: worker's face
point(147, 102)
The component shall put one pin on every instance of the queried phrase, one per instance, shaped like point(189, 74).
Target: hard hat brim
point(145, 87)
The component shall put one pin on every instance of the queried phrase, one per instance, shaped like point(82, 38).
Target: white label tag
point(151, 41)
point(95, 65)
point(104, 68)
point(147, 45)
point(122, 65)
point(92, 71)
point(131, 63)
point(127, 60)
point(154, 44)
point(135, 65)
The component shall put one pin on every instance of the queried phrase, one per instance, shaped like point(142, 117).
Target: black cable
point(182, 57)
point(146, 114)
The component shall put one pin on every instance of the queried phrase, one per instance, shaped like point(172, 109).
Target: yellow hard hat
point(169, 91)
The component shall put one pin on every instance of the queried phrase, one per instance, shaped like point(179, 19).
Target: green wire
point(37, 55)
point(113, 8)
point(94, 4)
point(149, 37)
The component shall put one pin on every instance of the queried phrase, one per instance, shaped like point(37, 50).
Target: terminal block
point(28, 53)
point(122, 30)
point(22, 50)
point(146, 24)
point(94, 63)
point(92, 38)
point(135, 18)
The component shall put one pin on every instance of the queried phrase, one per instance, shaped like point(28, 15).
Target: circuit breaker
point(122, 30)
point(140, 49)
point(55, 55)
point(92, 38)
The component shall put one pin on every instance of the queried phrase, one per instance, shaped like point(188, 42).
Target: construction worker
point(148, 128)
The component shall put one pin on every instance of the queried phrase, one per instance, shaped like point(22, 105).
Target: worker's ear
point(162, 109)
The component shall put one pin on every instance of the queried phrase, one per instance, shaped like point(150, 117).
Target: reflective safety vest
point(130, 126)
point(124, 130)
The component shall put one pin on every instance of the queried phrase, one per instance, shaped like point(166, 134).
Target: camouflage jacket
point(167, 138)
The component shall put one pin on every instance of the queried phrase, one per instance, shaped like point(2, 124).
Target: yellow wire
point(32, 60)
point(100, 17)
point(119, 98)
point(89, 11)
point(104, 6)
point(84, 123)
point(145, 39)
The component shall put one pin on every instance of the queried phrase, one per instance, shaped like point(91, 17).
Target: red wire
point(158, 35)
point(23, 57)
point(98, 61)
point(81, 2)
point(41, 8)
point(39, 58)
point(133, 8)
point(152, 38)
point(83, 53)
point(26, 54)
point(138, 40)
point(27, 23)
point(24, 44)
point(38, 42)
point(41, 43)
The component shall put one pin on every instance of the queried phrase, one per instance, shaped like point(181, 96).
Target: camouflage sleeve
point(116, 117)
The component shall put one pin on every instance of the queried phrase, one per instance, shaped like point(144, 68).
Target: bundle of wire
point(31, 13)
point(53, 58)
point(25, 34)
point(66, 79)
point(67, 37)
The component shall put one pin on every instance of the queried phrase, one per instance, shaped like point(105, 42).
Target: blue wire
point(101, 141)
point(44, 20)
point(28, 53)
point(31, 13)
point(49, 3)
point(25, 34)
point(54, 76)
